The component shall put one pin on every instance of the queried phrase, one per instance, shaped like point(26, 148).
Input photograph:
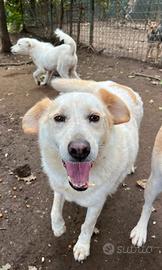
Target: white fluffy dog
point(153, 189)
point(88, 143)
point(48, 58)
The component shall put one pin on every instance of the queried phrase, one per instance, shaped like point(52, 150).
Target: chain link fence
point(116, 27)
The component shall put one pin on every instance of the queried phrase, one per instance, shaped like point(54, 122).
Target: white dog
point(48, 58)
point(153, 188)
point(88, 142)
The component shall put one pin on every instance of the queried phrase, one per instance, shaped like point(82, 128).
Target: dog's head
point(22, 46)
point(152, 26)
point(76, 126)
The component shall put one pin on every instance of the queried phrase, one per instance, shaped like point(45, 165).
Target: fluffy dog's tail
point(67, 39)
point(73, 85)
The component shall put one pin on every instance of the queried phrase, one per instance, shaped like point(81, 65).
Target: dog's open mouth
point(78, 174)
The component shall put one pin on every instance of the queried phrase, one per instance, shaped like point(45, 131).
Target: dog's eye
point(60, 118)
point(94, 118)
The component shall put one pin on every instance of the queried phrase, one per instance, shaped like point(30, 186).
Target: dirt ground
point(26, 238)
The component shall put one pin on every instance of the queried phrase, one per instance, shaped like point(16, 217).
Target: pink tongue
point(78, 172)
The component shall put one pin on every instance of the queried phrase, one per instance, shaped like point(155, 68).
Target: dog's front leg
point(46, 78)
point(36, 75)
point(82, 247)
point(153, 188)
point(58, 224)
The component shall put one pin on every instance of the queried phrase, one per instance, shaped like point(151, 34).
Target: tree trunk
point(4, 35)
point(61, 13)
point(51, 17)
point(71, 16)
point(22, 17)
point(91, 23)
point(79, 22)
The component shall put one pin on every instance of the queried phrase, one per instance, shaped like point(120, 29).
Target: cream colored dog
point(153, 188)
point(48, 58)
point(88, 143)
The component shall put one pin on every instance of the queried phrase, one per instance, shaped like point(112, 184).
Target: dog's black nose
point(79, 149)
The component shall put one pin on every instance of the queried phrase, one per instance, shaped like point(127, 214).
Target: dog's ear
point(28, 43)
point(116, 107)
point(30, 122)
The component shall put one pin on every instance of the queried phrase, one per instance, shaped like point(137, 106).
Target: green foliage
point(14, 15)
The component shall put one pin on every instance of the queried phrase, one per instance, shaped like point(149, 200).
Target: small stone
point(14, 188)
point(154, 222)
point(153, 236)
point(124, 184)
point(127, 188)
point(151, 101)
point(96, 231)
point(153, 209)
point(1, 215)
point(43, 259)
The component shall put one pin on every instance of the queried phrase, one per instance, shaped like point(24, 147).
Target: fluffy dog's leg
point(157, 53)
point(147, 53)
point(82, 247)
point(46, 78)
point(58, 224)
point(64, 73)
point(73, 73)
point(154, 187)
point(36, 75)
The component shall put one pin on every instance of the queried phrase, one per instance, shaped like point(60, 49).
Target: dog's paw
point(43, 83)
point(138, 235)
point(58, 230)
point(37, 82)
point(81, 251)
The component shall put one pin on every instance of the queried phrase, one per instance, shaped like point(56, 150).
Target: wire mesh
point(117, 27)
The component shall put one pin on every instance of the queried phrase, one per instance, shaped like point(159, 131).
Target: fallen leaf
point(154, 82)
point(5, 267)
point(32, 268)
point(27, 179)
point(96, 231)
point(142, 183)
